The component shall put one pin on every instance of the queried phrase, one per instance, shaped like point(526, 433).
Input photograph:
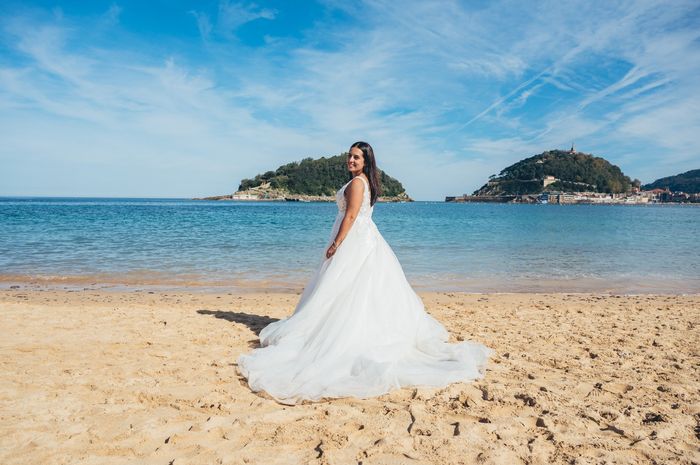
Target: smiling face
point(356, 161)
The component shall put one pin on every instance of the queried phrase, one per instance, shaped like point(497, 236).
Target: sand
point(104, 377)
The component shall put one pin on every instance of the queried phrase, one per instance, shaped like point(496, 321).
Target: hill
point(323, 176)
point(688, 182)
point(558, 170)
point(308, 180)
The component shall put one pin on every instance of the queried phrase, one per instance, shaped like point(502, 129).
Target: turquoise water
point(277, 245)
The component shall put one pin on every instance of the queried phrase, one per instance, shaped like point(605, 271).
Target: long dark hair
point(370, 170)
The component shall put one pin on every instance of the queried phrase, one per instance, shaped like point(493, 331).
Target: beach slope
point(105, 377)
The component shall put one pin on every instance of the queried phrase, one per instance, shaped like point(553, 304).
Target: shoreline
point(93, 376)
point(277, 283)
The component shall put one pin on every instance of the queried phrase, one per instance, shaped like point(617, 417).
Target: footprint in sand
point(618, 388)
point(526, 399)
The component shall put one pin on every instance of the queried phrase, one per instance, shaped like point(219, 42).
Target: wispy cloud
point(229, 17)
point(203, 23)
point(232, 15)
point(448, 93)
point(111, 16)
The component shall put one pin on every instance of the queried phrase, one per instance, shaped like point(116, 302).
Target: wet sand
point(149, 377)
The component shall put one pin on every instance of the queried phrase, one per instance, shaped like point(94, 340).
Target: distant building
point(567, 198)
point(244, 196)
point(660, 195)
point(548, 180)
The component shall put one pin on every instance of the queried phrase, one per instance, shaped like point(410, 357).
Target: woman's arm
point(353, 197)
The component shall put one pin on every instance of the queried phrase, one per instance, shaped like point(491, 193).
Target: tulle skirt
point(359, 330)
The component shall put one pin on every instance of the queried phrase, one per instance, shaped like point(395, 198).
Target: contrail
point(500, 101)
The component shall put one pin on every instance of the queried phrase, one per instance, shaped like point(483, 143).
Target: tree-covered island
point(688, 182)
point(558, 170)
point(568, 176)
point(309, 180)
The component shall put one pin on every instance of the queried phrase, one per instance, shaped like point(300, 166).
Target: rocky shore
point(276, 195)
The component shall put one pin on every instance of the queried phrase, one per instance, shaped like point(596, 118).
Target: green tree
point(575, 172)
point(322, 176)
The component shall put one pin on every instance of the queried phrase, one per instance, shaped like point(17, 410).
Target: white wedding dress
point(359, 329)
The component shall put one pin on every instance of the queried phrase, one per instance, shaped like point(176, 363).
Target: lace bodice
point(366, 208)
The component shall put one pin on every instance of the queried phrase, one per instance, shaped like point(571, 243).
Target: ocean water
point(277, 245)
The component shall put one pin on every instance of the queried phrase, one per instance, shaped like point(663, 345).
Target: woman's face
point(356, 161)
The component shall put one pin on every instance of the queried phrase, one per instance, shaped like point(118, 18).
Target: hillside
point(688, 182)
point(558, 170)
point(323, 176)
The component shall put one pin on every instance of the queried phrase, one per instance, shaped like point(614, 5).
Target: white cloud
point(230, 16)
point(203, 23)
point(111, 16)
point(447, 93)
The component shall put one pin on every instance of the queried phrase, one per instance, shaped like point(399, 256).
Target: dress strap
point(366, 183)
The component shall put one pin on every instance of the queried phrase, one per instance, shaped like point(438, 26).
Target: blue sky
point(182, 99)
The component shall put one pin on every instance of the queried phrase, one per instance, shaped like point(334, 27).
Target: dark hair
point(370, 170)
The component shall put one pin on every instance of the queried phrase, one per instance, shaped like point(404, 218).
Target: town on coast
point(572, 177)
point(635, 197)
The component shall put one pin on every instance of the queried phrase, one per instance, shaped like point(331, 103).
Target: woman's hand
point(331, 250)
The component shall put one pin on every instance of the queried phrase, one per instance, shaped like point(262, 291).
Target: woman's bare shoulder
point(356, 185)
point(361, 179)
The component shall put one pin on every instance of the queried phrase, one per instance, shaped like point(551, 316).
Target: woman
point(359, 329)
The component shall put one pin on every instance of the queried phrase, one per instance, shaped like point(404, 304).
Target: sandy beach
point(149, 377)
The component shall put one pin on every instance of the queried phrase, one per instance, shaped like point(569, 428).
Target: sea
point(243, 246)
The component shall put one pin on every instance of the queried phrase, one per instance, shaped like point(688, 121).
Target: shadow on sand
point(255, 322)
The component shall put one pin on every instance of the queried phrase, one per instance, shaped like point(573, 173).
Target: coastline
point(279, 282)
point(124, 376)
point(273, 245)
point(286, 197)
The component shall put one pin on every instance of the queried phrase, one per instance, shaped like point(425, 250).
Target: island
point(569, 176)
point(308, 180)
point(688, 183)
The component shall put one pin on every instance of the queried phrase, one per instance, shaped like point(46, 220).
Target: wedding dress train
point(358, 330)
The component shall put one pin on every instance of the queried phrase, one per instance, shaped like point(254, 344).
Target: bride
point(359, 329)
